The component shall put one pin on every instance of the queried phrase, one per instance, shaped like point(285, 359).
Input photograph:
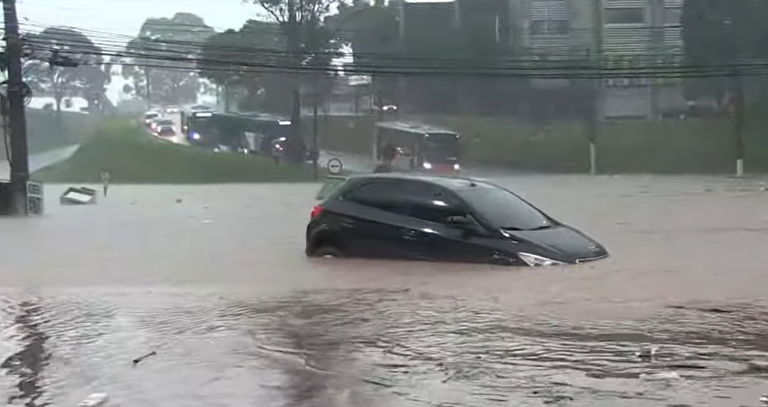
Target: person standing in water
point(106, 178)
point(388, 155)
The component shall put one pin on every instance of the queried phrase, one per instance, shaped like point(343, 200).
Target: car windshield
point(441, 150)
point(503, 209)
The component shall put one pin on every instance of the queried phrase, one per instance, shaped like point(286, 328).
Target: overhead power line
point(236, 58)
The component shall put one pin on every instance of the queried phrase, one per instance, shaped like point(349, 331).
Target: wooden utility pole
point(315, 123)
point(295, 147)
point(595, 62)
point(736, 101)
point(16, 114)
point(738, 112)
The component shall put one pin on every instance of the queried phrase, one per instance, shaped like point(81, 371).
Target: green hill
point(134, 157)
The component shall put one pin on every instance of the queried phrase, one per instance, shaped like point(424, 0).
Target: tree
point(160, 61)
point(309, 43)
point(64, 63)
point(719, 33)
point(238, 61)
point(372, 31)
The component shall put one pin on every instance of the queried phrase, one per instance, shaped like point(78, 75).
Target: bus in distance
point(418, 147)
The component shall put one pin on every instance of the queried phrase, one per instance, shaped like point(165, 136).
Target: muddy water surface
point(213, 279)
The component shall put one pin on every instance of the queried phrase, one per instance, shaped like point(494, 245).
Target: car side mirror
point(465, 223)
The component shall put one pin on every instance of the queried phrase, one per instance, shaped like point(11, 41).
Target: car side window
point(433, 203)
point(386, 196)
point(434, 213)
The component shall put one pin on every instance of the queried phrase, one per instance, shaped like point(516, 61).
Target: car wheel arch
point(325, 241)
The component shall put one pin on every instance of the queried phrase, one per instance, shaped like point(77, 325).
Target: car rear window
point(503, 209)
point(151, 115)
point(165, 122)
point(376, 192)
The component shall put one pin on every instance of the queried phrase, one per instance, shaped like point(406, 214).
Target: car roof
point(450, 182)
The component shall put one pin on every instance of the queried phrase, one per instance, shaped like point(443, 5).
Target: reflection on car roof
point(451, 182)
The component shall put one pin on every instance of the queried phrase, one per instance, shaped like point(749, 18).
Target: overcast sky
point(125, 17)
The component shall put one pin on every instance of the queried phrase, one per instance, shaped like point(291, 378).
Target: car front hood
point(561, 242)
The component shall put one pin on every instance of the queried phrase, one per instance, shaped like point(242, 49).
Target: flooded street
point(214, 280)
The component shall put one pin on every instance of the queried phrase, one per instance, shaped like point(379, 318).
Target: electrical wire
point(570, 70)
point(110, 42)
point(249, 59)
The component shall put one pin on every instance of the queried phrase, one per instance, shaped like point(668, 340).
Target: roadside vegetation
point(631, 146)
point(133, 157)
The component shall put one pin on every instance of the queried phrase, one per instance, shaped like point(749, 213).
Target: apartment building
point(618, 33)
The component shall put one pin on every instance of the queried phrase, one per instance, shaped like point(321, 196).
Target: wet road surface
point(218, 286)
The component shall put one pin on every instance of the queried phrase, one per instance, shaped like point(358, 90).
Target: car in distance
point(149, 117)
point(441, 218)
point(164, 127)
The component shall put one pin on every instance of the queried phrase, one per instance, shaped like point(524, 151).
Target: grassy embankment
point(689, 146)
point(132, 156)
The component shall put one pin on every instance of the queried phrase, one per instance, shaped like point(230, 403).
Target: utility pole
point(148, 87)
point(737, 92)
point(738, 112)
point(16, 115)
point(294, 39)
point(595, 61)
point(316, 102)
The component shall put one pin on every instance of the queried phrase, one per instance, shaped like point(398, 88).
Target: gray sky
point(124, 17)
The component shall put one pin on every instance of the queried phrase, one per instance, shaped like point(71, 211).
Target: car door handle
point(348, 224)
point(409, 234)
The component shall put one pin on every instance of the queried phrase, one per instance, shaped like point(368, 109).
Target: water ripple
point(370, 347)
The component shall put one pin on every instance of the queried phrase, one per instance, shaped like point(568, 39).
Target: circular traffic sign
point(334, 166)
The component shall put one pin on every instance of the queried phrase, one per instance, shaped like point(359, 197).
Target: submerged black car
point(438, 218)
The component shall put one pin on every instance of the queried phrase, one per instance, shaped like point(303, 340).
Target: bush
point(641, 146)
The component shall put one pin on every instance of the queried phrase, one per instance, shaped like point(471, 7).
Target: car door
point(445, 239)
point(376, 219)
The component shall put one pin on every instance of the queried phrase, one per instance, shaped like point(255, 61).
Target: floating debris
point(647, 352)
point(660, 376)
point(757, 367)
point(94, 400)
point(141, 358)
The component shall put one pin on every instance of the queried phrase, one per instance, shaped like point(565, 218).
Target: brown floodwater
point(213, 279)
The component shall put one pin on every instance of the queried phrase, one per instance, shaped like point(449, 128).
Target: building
point(620, 34)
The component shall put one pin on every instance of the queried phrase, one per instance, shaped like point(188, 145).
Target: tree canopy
point(161, 59)
point(723, 33)
point(66, 63)
point(426, 37)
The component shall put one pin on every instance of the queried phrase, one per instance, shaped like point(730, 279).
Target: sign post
point(34, 198)
point(333, 180)
point(334, 166)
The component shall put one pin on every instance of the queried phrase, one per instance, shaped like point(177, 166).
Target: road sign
point(34, 198)
point(334, 166)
